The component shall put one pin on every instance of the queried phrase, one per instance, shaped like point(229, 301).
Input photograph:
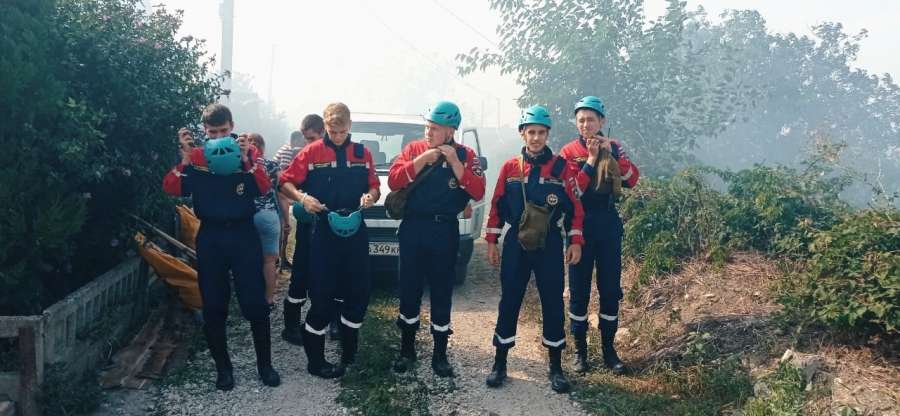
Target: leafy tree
point(660, 97)
point(94, 91)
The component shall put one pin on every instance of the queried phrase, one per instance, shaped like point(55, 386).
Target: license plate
point(384, 249)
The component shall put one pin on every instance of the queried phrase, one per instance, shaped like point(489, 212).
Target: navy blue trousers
point(233, 247)
point(602, 249)
point(516, 267)
point(339, 269)
point(428, 249)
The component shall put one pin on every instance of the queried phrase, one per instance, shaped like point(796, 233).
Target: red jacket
point(553, 186)
point(402, 170)
point(576, 152)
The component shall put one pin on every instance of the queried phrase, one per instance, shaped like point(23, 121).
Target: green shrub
point(671, 219)
point(785, 394)
point(776, 209)
point(93, 91)
point(851, 281)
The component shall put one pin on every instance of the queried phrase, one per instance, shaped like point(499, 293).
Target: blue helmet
point(445, 113)
point(535, 115)
point(223, 155)
point(592, 103)
point(345, 225)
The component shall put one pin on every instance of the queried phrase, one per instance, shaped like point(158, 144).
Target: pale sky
point(397, 56)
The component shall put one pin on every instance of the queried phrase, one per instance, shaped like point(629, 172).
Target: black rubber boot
point(608, 339)
point(407, 355)
point(439, 362)
point(262, 343)
point(293, 328)
point(498, 372)
point(218, 349)
point(349, 346)
point(314, 345)
point(581, 353)
point(558, 381)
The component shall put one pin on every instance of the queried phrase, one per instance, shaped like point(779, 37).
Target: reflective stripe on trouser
point(236, 248)
point(299, 288)
point(428, 250)
point(515, 271)
point(339, 268)
point(603, 249)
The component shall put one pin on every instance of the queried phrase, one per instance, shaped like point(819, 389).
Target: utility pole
point(226, 12)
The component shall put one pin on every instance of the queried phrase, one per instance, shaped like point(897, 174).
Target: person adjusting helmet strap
point(602, 233)
point(429, 231)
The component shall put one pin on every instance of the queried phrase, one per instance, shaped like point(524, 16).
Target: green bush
point(852, 278)
point(671, 219)
point(785, 396)
point(93, 91)
point(776, 209)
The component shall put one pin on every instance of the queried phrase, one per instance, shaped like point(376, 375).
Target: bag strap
point(522, 178)
point(421, 176)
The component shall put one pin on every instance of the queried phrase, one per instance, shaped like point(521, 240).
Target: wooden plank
point(174, 241)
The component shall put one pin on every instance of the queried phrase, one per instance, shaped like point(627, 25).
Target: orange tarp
point(190, 224)
point(173, 271)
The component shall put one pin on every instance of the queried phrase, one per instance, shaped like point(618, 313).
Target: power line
point(421, 53)
point(461, 20)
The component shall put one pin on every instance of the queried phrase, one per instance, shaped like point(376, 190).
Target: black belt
point(439, 218)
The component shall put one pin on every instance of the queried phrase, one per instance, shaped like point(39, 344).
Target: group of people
point(559, 208)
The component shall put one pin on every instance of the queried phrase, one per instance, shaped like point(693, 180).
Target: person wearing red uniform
point(536, 177)
point(602, 234)
point(429, 231)
point(338, 179)
point(223, 179)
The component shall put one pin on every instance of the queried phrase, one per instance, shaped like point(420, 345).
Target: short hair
point(296, 138)
point(312, 122)
point(337, 114)
point(216, 115)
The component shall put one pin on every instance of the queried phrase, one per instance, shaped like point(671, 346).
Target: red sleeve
point(402, 170)
point(582, 176)
point(576, 235)
point(473, 180)
point(256, 168)
point(297, 170)
point(374, 183)
point(494, 225)
point(628, 170)
point(172, 181)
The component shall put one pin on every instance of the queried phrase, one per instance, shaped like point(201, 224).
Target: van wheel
point(462, 260)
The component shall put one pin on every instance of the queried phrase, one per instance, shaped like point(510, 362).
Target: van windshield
point(385, 140)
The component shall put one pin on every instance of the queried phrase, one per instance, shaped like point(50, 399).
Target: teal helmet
point(535, 115)
point(302, 215)
point(345, 225)
point(223, 155)
point(445, 113)
point(592, 103)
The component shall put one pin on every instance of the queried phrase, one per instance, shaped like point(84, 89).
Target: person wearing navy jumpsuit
point(337, 175)
point(227, 241)
point(429, 231)
point(548, 180)
point(602, 233)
